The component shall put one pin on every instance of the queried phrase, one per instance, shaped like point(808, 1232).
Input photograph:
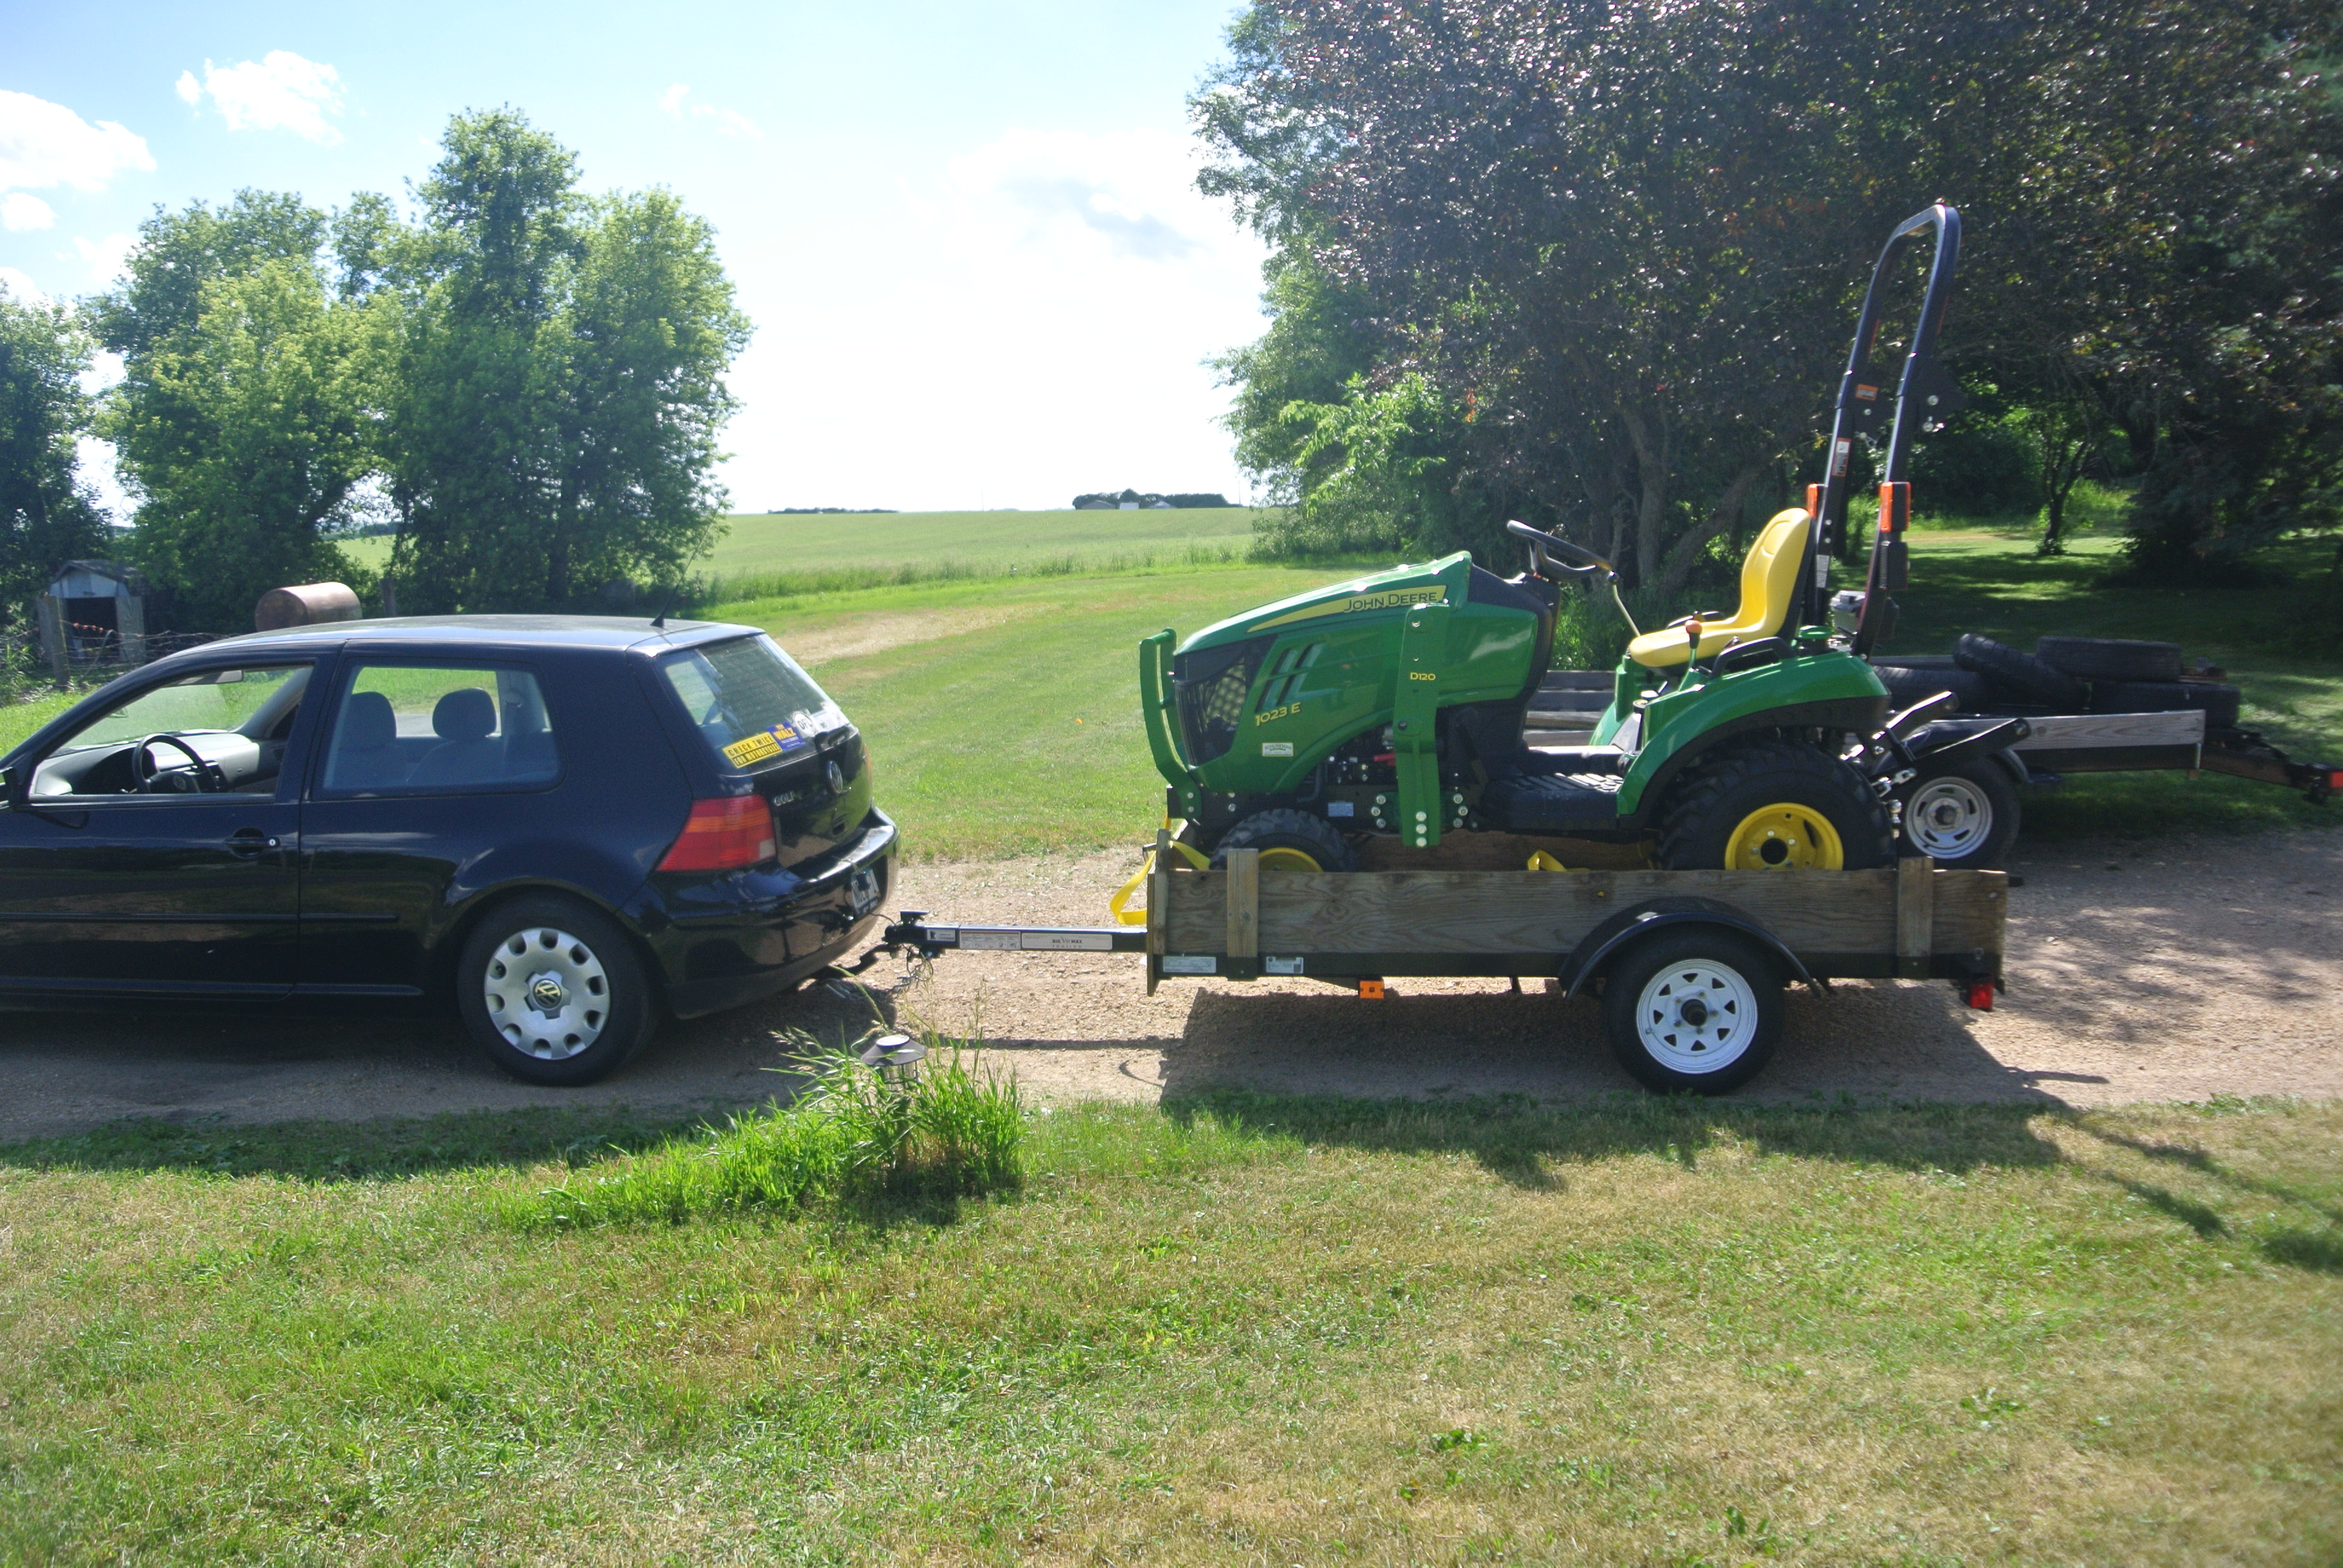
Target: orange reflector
point(721, 835)
point(1371, 989)
point(1814, 500)
point(1895, 507)
point(1981, 995)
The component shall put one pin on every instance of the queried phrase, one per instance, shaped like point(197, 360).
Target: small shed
point(93, 612)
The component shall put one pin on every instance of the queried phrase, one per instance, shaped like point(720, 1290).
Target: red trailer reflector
point(722, 835)
point(1981, 995)
point(2335, 778)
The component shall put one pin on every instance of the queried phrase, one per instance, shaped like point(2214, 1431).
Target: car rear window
point(750, 701)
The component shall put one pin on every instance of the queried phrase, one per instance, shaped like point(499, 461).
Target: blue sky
point(967, 234)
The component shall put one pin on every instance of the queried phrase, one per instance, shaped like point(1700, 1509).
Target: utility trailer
point(1690, 966)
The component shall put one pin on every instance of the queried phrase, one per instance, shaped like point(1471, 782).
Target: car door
point(428, 767)
point(153, 848)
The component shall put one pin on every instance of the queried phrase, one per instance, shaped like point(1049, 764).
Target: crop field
point(764, 550)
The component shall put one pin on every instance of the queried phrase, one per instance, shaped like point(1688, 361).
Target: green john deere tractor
point(1393, 705)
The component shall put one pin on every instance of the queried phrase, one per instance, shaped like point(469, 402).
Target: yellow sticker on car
point(755, 748)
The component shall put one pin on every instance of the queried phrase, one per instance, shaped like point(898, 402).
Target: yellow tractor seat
point(1768, 575)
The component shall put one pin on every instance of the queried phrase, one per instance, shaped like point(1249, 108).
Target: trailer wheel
point(1695, 1008)
point(1288, 840)
point(1964, 818)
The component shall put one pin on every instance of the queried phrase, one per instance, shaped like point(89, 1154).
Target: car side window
point(218, 731)
point(411, 729)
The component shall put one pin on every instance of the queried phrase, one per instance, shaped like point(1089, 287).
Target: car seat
point(365, 747)
point(1769, 578)
point(464, 719)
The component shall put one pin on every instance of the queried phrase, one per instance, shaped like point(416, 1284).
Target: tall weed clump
point(855, 1136)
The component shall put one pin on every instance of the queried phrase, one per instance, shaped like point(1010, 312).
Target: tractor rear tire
point(1286, 839)
point(2110, 658)
point(2025, 676)
point(1775, 804)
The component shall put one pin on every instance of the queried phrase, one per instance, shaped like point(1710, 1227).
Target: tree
point(1628, 237)
point(178, 253)
point(47, 516)
point(247, 431)
point(561, 387)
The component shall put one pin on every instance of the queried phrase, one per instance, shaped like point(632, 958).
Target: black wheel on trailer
point(1972, 692)
point(1694, 1009)
point(1774, 805)
point(2110, 658)
point(1964, 817)
point(2028, 678)
point(1288, 840)
point(2218, 701)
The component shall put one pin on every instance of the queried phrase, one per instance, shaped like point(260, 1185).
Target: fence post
point(53, 634)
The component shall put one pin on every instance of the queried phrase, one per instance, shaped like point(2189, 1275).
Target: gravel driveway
point(2136, 973)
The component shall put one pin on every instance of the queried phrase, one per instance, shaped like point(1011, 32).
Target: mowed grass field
point(1231, 1331)
point(1002, 709)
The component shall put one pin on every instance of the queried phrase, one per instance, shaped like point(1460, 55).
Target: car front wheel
point(552, 991)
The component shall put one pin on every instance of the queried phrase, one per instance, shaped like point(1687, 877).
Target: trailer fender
point(1630, 926)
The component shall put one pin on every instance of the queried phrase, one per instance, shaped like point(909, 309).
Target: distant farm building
point(93, 612)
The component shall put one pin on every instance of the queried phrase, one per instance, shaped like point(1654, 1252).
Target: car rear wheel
point(552, 991)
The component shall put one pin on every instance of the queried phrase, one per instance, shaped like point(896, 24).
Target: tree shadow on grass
point(1514, 1138)
point(385, 1149)
point(1519, 1141)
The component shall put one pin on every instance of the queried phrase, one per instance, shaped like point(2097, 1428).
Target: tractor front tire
point(1774, 805)
point(1288, 840)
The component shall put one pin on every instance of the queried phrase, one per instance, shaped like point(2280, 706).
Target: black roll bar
point(1924, 391)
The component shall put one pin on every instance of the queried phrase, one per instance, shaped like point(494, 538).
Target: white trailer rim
point(1948, 818)
point(1698, 1016)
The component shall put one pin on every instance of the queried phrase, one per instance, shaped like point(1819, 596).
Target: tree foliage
point(246, 430)
point(1626, 240)
point(526, 379)
point(47, 516)
point(563, 386)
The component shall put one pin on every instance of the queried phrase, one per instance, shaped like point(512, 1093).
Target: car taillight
point(723, 834)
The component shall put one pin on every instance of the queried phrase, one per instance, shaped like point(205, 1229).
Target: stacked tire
point(2062, 675)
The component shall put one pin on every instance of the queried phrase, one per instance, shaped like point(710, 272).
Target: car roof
point(454, 632)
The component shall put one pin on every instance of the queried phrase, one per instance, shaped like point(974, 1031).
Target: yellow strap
point(1542, 862)
point(1114, 905)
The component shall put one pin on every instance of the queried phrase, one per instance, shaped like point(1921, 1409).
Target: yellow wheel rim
point(1289, 861)
point(1783, 837)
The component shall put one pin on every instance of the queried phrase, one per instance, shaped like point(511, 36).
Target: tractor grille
point(1211, 686)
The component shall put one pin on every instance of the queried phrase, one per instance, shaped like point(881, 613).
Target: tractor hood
point(1434, 582)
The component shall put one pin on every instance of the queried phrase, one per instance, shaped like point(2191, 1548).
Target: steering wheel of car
point(148, 772)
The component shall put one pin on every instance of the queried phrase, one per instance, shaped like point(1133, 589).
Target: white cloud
point(43, 144)
point(20, 287)
point(278, 92)
point(730, 122)
point(20, 210)
point(105, 258)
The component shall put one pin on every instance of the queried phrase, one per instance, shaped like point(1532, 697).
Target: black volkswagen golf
point(568, 826)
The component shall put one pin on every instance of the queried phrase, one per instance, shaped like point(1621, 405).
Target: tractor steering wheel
point(1543, 546)
point(148, 772)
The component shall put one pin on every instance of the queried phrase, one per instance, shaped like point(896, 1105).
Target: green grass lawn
point(1233, 1332)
